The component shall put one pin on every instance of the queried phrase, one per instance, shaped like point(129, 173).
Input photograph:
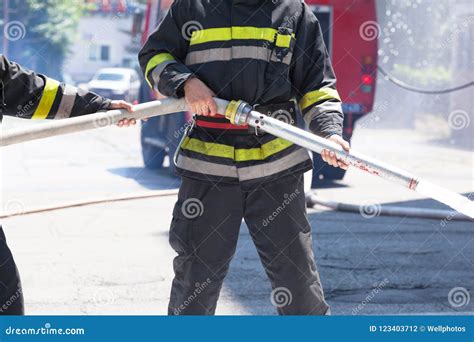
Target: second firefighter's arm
point(162, 56)
point(29, 95)
point(314, 80)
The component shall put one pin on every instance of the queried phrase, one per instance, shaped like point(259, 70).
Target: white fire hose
point(240, 113)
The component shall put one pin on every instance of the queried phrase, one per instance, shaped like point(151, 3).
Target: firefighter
point(270, 54)
point(28, 95)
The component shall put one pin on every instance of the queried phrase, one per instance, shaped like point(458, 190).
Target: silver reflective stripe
point(251, 52)
point(211, 55)
point(286, 59)
point(201, 166)
point(156, 73)
point(268, 169)
point(324, 107)
point(228, 54)
point(67, 102)
point(244, 173)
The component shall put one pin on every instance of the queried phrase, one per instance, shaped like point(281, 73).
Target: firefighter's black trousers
point(204, 232)
point(11, 296)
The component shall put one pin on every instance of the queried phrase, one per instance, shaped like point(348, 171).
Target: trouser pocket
point(180, 231)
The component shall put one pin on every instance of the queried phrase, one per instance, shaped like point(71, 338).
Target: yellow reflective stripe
point(261, 153)
point(239, 32)
point(47, 99)
point(240, 155)
point(207, 148)
point(283, 40)
point(317, 96)
point(211, 35)
point(157, 60)
point(247, 32)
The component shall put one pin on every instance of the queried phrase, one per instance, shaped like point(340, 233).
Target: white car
point(116, 84)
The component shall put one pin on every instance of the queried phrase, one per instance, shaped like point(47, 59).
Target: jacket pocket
point(283, 46)
point(277, 73)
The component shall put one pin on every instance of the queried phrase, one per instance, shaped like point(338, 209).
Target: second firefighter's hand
point(120, 104)
point(199, 97)
point(330, 157)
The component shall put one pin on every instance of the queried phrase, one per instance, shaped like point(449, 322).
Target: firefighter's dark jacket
point(257, 51)
point(261, 52)
point(28, 95)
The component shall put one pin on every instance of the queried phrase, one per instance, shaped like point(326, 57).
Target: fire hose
point(312, 201)
point(241, 113)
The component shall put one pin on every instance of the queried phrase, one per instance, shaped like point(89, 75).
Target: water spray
point(241, 113)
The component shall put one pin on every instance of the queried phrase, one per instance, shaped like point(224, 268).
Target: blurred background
point(403, 67)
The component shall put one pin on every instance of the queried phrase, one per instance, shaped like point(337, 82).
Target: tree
point(50, 27)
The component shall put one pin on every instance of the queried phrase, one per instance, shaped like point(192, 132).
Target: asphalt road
point(115, 259)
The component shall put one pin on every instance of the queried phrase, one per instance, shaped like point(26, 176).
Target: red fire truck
point(350, 32)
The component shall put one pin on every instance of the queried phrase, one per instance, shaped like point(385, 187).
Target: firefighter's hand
point(330, 157)
point(119, 104)
point(199, 97)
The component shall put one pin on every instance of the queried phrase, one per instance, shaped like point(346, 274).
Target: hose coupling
point(237, 112)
